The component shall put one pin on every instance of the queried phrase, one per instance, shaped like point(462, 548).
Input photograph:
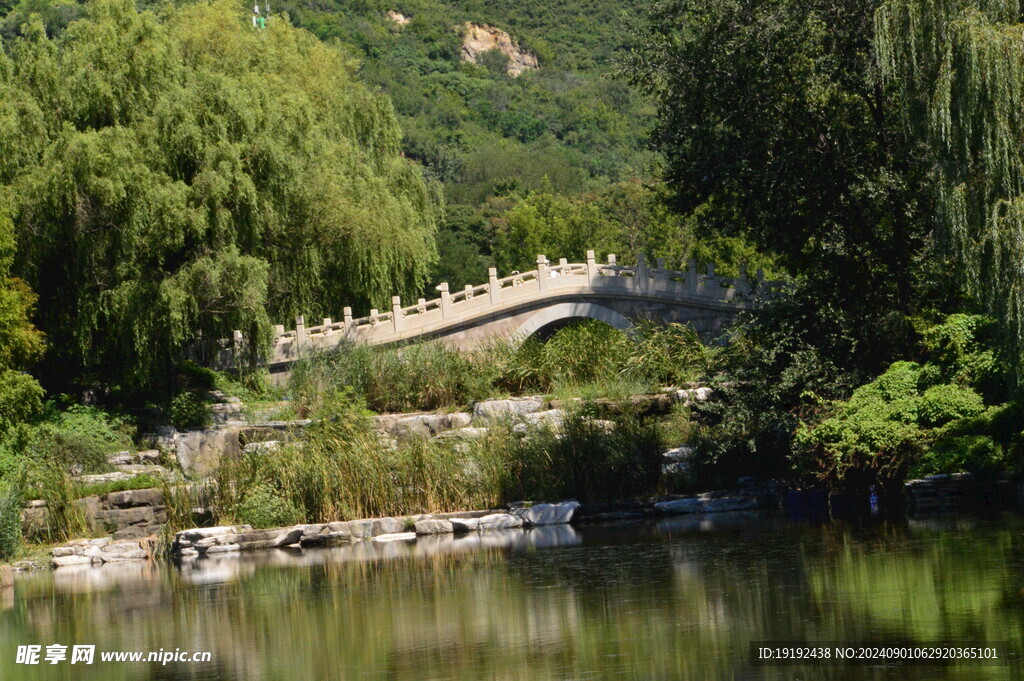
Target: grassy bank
point(341, 468)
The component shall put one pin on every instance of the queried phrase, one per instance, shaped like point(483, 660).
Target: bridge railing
point(452, 307)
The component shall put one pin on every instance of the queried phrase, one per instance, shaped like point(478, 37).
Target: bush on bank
point(919, 418)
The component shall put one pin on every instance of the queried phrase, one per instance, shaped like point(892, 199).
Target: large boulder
point(547, 514)
point(433, 526)
point(499, 521)
point(512, 407)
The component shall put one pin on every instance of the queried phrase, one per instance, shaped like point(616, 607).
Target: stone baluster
point(347, 316)
point(446, 300)
point(659, 270)
point(612, 262)
point(641, 269)
point(743, 286)
point(469, 291)
point(542, 272)
point(591, 266)
point(278, 331)
point(711, 269)
point(691, 276)
point(327, 325)
point(300, 334)
point(374, 317)
point(421, 306)
point(396, 313)
point(493, 287)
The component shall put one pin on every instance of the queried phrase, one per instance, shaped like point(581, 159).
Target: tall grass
point(582, 458)
point(65, 518)
point(10, 519)
point(589, 359)
point(340, 468)
point(180, 500)
point(391, 379)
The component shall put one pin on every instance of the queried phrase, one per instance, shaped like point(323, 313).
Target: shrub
point(941, 404)
point(976, 454)
point(883, 430)
point(264, 507)
point(144, 481)
point(79, 437)
point(21, 399)
point(189, 410)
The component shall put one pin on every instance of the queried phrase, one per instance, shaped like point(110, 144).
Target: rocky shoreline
point(226, 541)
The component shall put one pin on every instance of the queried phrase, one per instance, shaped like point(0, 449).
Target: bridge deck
point(502, 296)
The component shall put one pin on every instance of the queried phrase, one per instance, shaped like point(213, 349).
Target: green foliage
point(263, 507)
point(550, 224)
point(479, 130)
point(988, 445)
point(144, 481)
point(798, 351)
point(963, 348)
point(79, 437)
point(10, 520)
point(941, 404)
point(408, 378)
point(957, 70)
point(582, 459)
point(340, 469)
point(176, 172)
point(905, 420)
point(21, 399)
point(65, 518)
point(590, 359)
point(190, 410)
point(593, 354)
point(774, 131)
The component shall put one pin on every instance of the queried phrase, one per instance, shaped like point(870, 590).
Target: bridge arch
point(563, 312)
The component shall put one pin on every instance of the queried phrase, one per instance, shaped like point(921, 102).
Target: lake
point(679, 598)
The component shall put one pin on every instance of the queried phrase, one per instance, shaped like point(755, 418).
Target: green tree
point(958, 70)
point(173, 172)
point(20, 342)
point(773, 125)
point(553, 225)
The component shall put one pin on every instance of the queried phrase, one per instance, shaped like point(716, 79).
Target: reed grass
point(65, 518)
point(589, 360)
point(341, 468)
point(10, 519)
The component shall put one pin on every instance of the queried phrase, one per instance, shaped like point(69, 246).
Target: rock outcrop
point(479, 38)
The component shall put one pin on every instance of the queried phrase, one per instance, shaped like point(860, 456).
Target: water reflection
point(676, 599)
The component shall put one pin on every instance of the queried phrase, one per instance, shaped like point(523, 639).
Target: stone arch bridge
point(524, 304)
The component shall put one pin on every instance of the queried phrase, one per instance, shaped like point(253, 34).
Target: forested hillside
point(563, 145)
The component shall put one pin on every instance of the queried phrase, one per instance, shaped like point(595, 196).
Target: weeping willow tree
point(175, 171)
point(958, 66)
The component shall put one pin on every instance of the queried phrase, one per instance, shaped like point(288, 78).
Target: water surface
point(676, 599)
